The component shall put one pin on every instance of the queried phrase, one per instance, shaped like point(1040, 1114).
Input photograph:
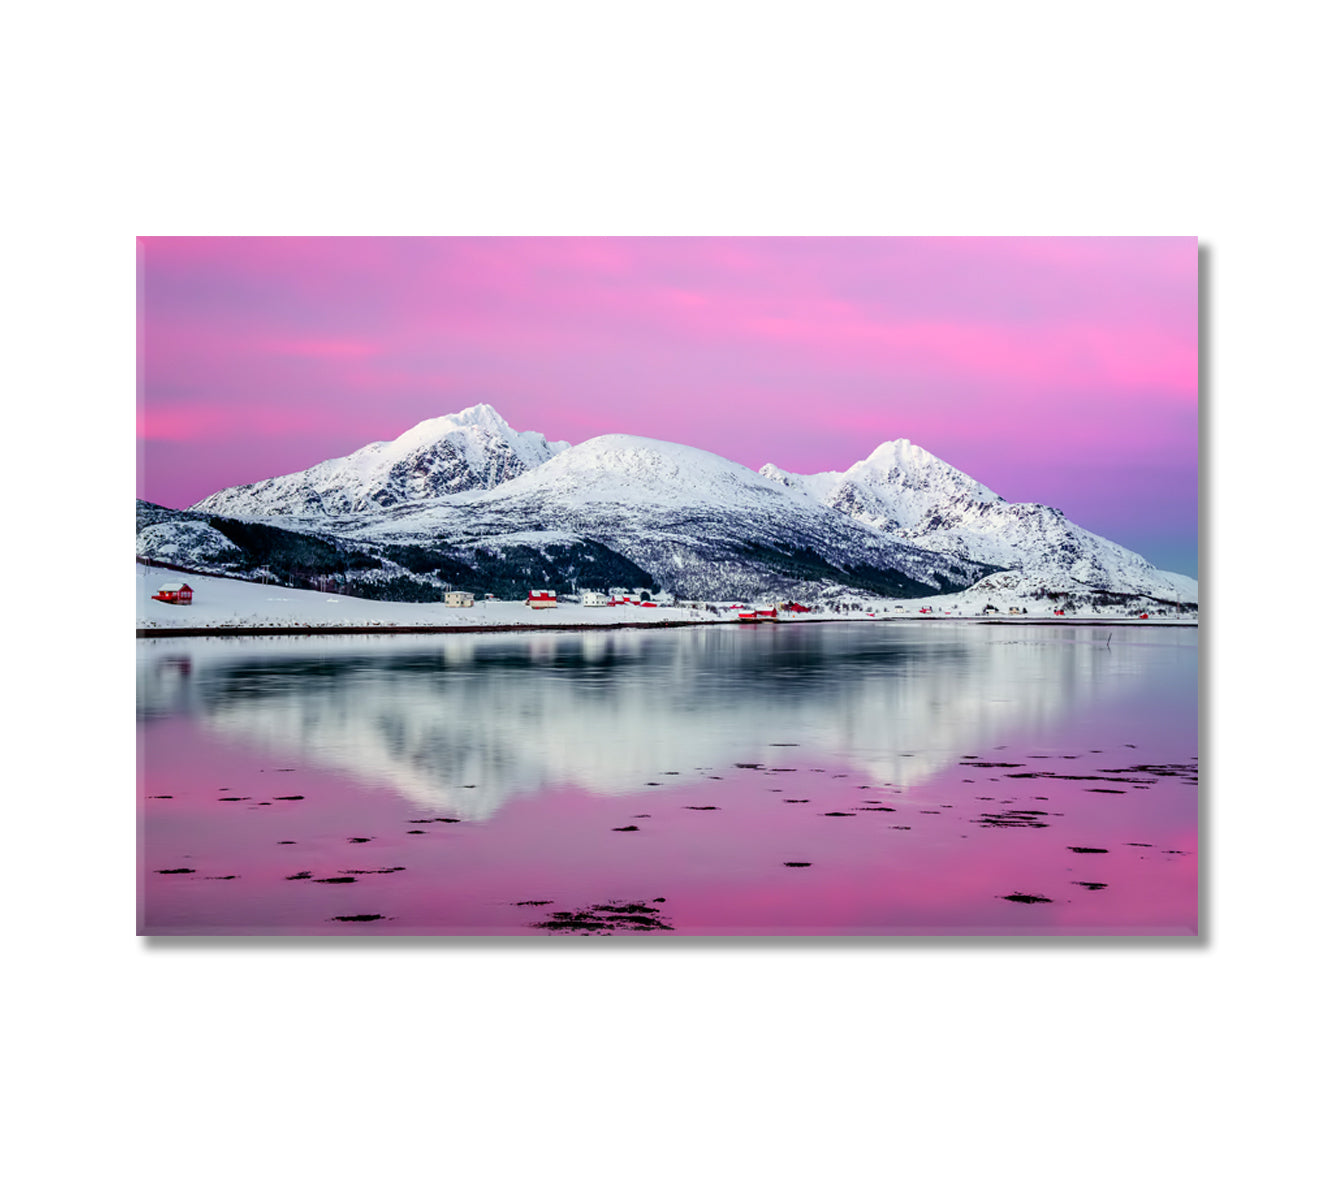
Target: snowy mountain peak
point(471, 450)
point(658, 472)
point(480, 416)
point(908, 465)
point(905, 491)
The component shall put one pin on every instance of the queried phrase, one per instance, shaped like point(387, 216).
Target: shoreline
point(580, 627)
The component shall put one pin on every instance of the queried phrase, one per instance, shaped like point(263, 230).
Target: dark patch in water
point(1110, 791)
point(369, 871)
point(1086, 849)
point(748, 766)
point(1146, 845)
point(626, 829)
point(1014, 818)
point(1024, 898)
point(287, 843)
point(176, 871)
point(796, 801)
point(532, 903)
point(1092, 887)
point(701, 807)
point(358, 839)
point(300, 875)
point(605, 919)
point(839, 814)
point(417, 831)
point(795, 864)
point(362, 917)
point(337, 879)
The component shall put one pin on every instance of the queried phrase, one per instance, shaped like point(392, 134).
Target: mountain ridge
point(899, 522)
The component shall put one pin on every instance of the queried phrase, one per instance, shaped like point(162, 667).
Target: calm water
point(909, 778)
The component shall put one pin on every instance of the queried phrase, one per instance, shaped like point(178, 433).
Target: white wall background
point(608, 1068)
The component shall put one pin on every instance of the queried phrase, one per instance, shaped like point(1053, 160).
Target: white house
point(595, 600)
point(458, 600)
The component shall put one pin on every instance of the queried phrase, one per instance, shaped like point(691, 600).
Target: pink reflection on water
point(709, 846)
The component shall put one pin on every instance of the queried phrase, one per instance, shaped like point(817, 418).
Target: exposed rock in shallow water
point(604, 919)
point(1015, 818)
point(1024, 898)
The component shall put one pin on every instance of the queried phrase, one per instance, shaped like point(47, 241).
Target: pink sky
point(1061, 370)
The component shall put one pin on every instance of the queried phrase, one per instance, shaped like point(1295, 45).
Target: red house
point(182, 593)
point(541, 600)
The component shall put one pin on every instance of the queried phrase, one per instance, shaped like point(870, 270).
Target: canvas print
point(667, 587)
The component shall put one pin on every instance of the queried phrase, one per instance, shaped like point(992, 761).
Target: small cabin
point(458, 600)
point(179, 593)
point(541, 600)
point(595, 600)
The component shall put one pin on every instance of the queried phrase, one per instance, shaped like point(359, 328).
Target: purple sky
point(1060, 370)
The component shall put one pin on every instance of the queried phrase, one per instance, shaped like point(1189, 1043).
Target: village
point(172, 603)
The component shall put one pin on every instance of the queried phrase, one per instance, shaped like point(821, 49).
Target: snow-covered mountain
point(480, 497)
point(701, 525)
point(467, 451)
point(903, 490)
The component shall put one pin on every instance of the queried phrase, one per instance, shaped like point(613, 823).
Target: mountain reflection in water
point(461, 724)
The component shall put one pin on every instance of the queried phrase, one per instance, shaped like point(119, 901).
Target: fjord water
point(823, 779)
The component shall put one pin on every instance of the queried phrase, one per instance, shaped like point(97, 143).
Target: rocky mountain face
point(702, 526)
point(903, 490)
point(472, 450)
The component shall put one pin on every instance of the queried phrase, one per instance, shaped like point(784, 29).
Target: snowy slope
point(701, 525)
point(221, 603)
point(465, 451)
point(904, 490)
